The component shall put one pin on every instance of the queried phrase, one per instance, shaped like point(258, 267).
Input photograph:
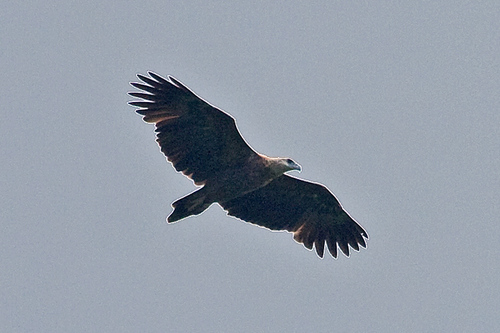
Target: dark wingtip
point(320, 248)
point(157, 77)
point(361, 241)
point(332, 247)
point(151, 81)
point(142, 77)
point(141, 104)
point(178, 83)
point(344, 246)
point(144, 96)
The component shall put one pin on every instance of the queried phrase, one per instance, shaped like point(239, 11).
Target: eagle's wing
point(196, 137)
point(307, 209)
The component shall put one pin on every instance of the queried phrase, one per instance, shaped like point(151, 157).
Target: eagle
point(203, 143)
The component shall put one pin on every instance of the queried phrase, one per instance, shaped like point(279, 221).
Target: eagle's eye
point(289, 161)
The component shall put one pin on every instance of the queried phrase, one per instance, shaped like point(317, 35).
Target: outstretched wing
point(307, 209)
point(196, 137)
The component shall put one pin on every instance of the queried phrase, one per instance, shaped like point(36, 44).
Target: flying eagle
point(203, 143)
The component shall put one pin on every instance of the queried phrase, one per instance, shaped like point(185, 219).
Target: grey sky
point(392, 105)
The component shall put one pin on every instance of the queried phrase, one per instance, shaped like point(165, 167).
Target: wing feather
point(309, 210)
point(196, 137)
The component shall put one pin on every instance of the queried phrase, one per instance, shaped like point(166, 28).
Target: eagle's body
point(228, 184)
point(203, 143)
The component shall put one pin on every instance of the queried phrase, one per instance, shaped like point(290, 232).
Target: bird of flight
point(203, 143)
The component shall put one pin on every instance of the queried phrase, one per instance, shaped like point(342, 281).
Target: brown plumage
point(203, 143)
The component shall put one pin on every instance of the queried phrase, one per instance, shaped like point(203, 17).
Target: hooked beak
point(297, 167)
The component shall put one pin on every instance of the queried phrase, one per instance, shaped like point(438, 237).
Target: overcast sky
point(393, 105)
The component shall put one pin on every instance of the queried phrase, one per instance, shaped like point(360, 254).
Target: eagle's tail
point(192, 204)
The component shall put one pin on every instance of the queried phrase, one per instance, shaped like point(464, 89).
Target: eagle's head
point(281, 165)
point(291, 165)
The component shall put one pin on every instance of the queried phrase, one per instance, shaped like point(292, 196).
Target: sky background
point(393, 105)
